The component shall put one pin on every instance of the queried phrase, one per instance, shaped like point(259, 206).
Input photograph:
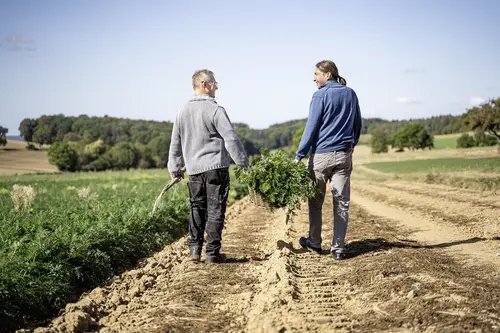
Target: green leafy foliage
point(27, 128)
point(62, 155)
point(278, 181)
point(81, 230)
point(3, 136)
point(465, 141)
point(379, 141)
point(485, 140)
point(485, 117)
point(159, 147)
point(297, 136)
point(412, 136)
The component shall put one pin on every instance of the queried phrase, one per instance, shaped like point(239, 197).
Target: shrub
point(465, 141)
point(122, 156)
point(95, 149)
point(484, 140)
point(412, 136)
point(379, 141)
point(31, 146)
point(62, 155)
point(159, 147)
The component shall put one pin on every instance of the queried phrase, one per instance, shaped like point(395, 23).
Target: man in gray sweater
point(201, 139)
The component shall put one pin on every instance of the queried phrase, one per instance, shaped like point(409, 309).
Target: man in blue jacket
point(332, 130)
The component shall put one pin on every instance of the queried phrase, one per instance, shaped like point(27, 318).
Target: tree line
point(99, 143)
point(484, 120)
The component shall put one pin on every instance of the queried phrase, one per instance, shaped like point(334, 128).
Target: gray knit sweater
point(202, 136)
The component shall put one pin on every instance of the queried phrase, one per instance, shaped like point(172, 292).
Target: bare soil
point(16, 159)
point(421, 258)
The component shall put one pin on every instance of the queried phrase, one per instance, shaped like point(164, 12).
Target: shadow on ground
point(364, 246)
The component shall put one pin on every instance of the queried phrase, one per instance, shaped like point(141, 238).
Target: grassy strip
point(489, 164)
point(477, 183)
point(78, 231)
point(445, 143)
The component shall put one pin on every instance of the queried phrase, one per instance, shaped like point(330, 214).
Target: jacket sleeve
point(175, 162)
point(312, 126)
point(357, 124)
point(233, 144)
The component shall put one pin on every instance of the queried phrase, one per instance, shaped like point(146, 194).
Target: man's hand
point(177, 174)
point(297, 161)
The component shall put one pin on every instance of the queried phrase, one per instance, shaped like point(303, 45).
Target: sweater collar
point(202, 98)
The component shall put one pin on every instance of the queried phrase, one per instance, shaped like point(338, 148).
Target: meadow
point(446, 141)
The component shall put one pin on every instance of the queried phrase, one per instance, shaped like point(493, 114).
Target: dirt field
point(16, 159)
point(421, 259)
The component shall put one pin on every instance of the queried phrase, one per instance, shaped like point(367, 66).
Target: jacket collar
point(330, 83)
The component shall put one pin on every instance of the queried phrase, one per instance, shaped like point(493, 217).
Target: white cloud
point(474, 100)
point(414, 71)
point(407, 101)
point(18, 39)
point(19, 43)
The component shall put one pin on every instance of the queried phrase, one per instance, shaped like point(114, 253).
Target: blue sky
point(134, 59)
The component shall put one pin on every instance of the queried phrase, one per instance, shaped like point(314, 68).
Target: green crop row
point(63, 234)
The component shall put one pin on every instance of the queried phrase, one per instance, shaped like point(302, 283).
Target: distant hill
point(14, 138)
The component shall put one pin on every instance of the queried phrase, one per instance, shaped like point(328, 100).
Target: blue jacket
point(334, 121)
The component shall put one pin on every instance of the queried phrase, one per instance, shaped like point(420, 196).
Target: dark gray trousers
point(208, 192)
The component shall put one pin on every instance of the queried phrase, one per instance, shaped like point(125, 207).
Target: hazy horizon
point(134, 60)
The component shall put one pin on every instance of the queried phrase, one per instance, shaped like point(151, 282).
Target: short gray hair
point(203, 75)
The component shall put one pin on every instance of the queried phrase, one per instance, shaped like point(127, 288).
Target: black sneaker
point(338, 255)
point(218, 259)
point(304, 242)
point(195, 253)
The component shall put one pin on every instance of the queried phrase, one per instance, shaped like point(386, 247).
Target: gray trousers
point(336, 168)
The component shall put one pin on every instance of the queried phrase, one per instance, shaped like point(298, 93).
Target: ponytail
point(328, 66)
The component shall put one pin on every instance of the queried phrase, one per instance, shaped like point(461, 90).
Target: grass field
point(446, 141)
point(490, 164)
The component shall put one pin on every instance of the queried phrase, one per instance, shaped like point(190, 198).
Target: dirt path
point(459, 209)
point(390, 283)
point(474, 249)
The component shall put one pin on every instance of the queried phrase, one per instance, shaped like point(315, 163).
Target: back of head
point(203, 75)
point(328, 66)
